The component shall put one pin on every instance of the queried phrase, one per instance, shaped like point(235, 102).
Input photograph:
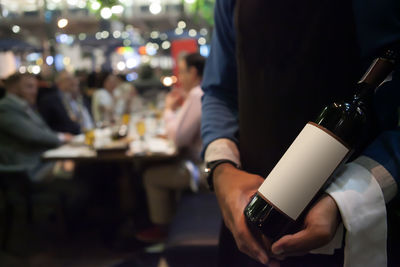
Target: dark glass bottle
point(123, 129)
point(279, 203)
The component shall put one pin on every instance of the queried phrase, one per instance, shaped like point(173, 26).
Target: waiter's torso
point(294, 57)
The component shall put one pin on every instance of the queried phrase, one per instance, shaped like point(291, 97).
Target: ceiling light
point(117, 9)
point(121, 66)
point(62, 23)
point(154, 34)
point(82, 36)
point(192, 33)
point(203, 31)
point(117, 34)
point(155, 8)
point(105, 34)
point(106, 13)
point(181, 24)
point(165, 45)
point(16, 29)
point(95, 5)
point(178, 31)
point(202, 41)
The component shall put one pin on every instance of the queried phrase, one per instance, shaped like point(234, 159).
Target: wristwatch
point(210, 167)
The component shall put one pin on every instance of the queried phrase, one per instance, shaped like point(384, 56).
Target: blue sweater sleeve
point(385, 149)
point(219, 103)
point(377, 25)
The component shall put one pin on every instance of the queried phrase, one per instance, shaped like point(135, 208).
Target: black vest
point(294, 57)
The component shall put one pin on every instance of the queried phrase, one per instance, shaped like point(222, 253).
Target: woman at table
point(103, 101)
point(182, 116)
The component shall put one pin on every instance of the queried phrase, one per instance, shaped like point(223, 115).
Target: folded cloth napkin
point(362, 207)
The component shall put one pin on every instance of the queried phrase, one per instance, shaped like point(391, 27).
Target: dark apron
point(294, 57)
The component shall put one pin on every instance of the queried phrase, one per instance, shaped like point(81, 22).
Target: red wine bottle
point(318, 151)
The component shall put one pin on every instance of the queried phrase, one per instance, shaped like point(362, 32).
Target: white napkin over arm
point(360, 191)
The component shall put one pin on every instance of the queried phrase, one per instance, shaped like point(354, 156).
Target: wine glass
point(126, 117)
point(89, 137)
point(141, 130)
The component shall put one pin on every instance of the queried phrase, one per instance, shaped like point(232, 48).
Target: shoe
point(154, 234)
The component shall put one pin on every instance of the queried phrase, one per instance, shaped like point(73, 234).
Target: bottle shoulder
point(341, 110)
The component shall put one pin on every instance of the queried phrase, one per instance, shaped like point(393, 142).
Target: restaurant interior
point(102, 74)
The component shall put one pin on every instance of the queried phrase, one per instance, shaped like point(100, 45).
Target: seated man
point(24, 136)
point(63, 109)
point(164, 182)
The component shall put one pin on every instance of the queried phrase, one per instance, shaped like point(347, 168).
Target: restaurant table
point(121, 150)
point(124, 152)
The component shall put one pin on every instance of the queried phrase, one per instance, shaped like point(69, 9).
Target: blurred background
point(45, 36)
point(75, 49)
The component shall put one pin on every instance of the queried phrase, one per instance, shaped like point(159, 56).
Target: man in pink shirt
point(182, 115)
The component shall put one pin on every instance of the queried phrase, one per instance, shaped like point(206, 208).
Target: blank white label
point(303, 170)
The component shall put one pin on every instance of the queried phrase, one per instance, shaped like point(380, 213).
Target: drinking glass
point(89, 137)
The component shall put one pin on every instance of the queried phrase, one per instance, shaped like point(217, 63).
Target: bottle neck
point(376, 74)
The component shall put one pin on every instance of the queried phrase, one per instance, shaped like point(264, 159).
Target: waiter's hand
point(234, 189)
point(320, 226)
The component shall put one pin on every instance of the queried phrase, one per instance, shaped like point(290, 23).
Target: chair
point(15, 184)
point(193, 234)
point(2, 92)
point(14, 178)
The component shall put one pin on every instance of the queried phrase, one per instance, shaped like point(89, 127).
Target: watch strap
point(211, 166)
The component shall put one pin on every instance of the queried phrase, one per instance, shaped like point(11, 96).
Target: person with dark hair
point(182, 116)
point(63, 108)
point(183, 124)
point(24, 136)
point(195, 60)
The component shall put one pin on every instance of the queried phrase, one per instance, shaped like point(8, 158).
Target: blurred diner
point(100, 106)
point(103, 100)
point(24, 135)
point(126, 98)
point(110, 110)
point(182, 115)
point(63, 108)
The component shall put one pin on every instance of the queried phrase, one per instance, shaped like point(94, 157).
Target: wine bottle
point(317, 152)
point(123, 129)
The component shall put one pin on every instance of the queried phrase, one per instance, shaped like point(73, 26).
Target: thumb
point(299, 243)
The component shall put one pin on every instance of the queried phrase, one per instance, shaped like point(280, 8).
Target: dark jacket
point(53, 111)
point(24, 136)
